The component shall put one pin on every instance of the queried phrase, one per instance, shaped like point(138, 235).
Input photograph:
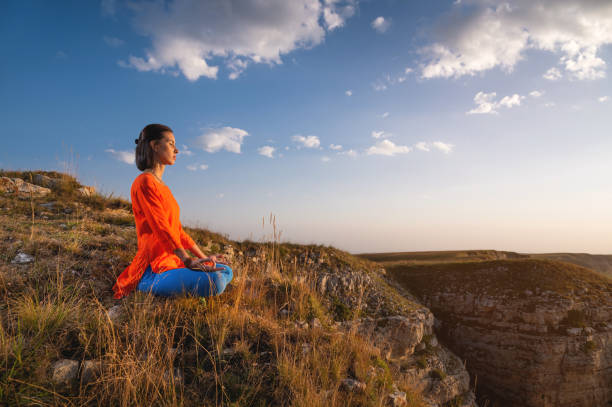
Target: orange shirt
point(158, 229)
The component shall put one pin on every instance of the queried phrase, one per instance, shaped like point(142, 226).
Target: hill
point(596, 262)
point(299, 325)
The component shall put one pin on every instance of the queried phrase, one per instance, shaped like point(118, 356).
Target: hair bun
point(136, 141)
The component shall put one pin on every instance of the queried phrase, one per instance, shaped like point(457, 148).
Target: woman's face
point(165, 149)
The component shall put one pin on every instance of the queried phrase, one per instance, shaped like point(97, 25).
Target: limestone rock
point(173, 378)
point(399, 334)
point(87, 191)
point(23, 258)
point(397, 399)
point(65, 372)
point(90, 370)
point(114, 313)
point(45, 181)
point(22, 188)
point(353, 385)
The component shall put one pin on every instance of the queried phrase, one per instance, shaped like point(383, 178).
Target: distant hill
point(600, 263)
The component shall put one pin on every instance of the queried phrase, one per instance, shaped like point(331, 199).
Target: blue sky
point(370, 125)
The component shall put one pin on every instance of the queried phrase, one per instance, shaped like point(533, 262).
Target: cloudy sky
point(379, 125)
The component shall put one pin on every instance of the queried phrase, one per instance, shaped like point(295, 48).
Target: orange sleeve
point(186, 240)
point(152, 204)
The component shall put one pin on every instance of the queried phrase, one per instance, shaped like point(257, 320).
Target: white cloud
point(603, 99)
point(379, 86)
point(553, 74)
point(220, 195)
point(536, 94)
point(113, 42)
point(349, 93)
point(225, 138)
point(195, 37)
point(384, 115)
point(388, 148)
point(128, 157)
point(308, 141)
point(195, 167)
point(351, 153)
point(486, 103)
point(379, 134)
point(335, 147)
point(325, 159)
point(266, 151)
point(421, 145)
point(444, 147)
point(186, 151)
point(438, 145)
point(381, 24)
point(550, 104)
point(511, 101)
point(480, 35)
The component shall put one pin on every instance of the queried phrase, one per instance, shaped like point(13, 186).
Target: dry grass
point(238, 349)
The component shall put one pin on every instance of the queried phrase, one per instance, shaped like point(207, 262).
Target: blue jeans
point(185, 281)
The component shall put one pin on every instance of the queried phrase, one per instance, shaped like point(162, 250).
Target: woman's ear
point(153, 144)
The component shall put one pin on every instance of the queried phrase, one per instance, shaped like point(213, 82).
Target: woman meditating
point(162, 265)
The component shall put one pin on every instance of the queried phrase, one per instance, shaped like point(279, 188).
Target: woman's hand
point(218, 258)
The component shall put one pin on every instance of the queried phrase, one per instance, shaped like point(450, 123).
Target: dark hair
point(144, 152)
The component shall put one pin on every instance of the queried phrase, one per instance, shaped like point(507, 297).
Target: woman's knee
point(217, 283)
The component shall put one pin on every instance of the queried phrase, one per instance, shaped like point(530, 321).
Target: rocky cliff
point(534, 333)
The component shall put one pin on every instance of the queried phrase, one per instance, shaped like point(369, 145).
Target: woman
point(162, 264)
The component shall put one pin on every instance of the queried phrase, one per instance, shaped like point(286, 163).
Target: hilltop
point(299, 325)
point(601, 263)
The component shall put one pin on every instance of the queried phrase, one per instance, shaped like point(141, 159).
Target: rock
point(353, 385)
point(174, 378)
point(90, 370)
point(22, 258)
point(65, 372)
point(45, 181)
point(48, 205)
point(397, 399)
point(228, 352)
point(22, 188)
point(574, 331)
point(87, 191)
point(301, 324)
point(400, 333)
point(114, 313)
point(316, 324)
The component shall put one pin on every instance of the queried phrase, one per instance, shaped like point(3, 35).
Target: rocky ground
point(299, 325)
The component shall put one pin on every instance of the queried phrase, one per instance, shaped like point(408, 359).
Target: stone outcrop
point(534, 333)
point(401, 327)
point(22, 188)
